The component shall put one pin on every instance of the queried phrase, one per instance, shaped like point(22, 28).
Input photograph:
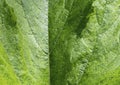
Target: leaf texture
point(23, 48)
point(84, 42)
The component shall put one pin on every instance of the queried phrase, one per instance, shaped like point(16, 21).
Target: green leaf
point(84, 42)
point(23, 48)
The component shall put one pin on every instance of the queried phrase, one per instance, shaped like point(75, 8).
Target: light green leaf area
point(84, 42)
point(24, 42)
